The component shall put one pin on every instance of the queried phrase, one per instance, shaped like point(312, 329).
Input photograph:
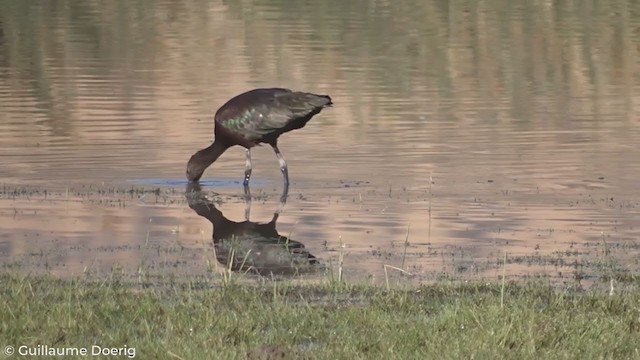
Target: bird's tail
point(328, 99)
point(319, 100)
point(305, 101)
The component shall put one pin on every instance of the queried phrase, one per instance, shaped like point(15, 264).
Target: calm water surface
point(461, 132)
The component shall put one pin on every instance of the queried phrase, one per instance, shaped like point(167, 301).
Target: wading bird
point(254, 117)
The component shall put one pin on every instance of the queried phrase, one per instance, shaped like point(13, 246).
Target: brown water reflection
point(478, 127)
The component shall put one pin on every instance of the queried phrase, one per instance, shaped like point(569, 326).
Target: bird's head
point(195, 168)
point(201, 160)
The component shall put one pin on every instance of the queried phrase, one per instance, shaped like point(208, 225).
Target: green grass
point(325, 321)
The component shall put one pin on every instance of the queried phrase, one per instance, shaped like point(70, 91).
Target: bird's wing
point(253, 117)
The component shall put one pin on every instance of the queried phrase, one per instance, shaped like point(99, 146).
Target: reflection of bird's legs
point(283, 166)
point(247, 201)
point(247, 167)
point(283, 200)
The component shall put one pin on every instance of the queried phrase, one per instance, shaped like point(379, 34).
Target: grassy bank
point(327, 321)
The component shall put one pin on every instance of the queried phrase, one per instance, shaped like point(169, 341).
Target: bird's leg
point(283, 167)
point(283, 200)
point(247, 202)
point(247, 167)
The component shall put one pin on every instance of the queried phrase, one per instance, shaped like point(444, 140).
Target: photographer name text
point(53, 351)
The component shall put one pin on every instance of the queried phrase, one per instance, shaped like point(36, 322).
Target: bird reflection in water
point(251, 246)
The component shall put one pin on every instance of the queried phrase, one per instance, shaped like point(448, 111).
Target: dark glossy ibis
point(254, 117)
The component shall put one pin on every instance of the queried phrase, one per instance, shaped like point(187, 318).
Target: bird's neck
point(212, 153)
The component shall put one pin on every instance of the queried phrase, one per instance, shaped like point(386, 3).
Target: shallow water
point(459, 132)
